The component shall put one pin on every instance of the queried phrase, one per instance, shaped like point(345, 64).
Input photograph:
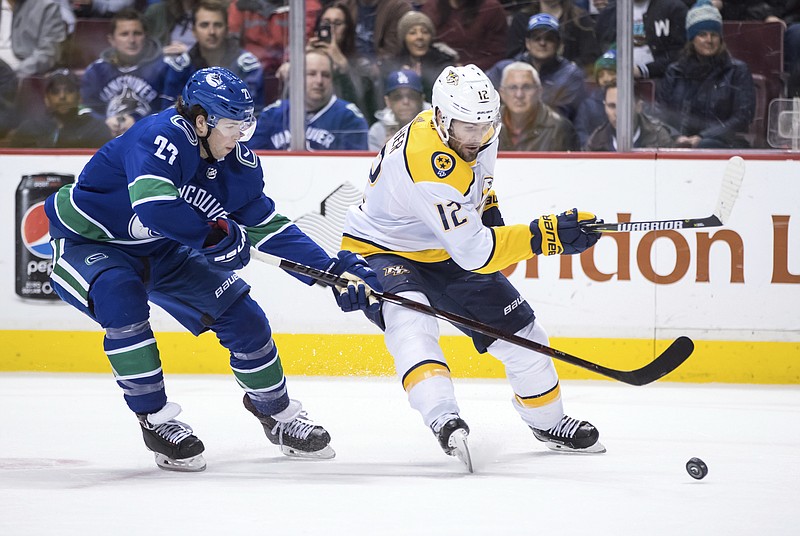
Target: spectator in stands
point(476, 29)
point(100, 8)
point(355, 77)
point(61, 125)
point(404, 99)
point(30, 43)
point(528, 123)
point(214, 48)
point(562, 81)
point(262, 27)
point(8, 98)
point(419, 52)
point(647, 132)
point(592, 111)
point(127, 82)
point(376, 26)
point(331, 123)
point(578, 40)
point(659, 34)
point(170, 23)
point(707, 95)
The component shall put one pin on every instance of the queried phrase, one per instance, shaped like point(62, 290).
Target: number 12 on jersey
point(449, 213)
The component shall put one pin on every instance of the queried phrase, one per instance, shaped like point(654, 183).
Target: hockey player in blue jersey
point(331, 123)
point(166, 213)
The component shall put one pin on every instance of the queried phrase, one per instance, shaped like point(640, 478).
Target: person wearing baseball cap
point(576, 28)
point(563, 87)
point(404, 99)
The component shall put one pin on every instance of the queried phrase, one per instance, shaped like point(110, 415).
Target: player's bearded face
point(466, 138)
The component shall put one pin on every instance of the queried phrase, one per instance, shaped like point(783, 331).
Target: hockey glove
point(226, 245)
point(563, 234)
point(363, 281)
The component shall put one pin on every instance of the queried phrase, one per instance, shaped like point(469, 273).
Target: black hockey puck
point(696, 468)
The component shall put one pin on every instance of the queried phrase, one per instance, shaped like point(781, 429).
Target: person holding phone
point(353, 75)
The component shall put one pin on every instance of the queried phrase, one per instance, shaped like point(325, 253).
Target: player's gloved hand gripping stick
point(362, 283)
point(226, 245)
point(669, 360)
point(566, 234)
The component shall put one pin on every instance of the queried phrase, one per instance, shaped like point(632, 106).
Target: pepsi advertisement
point(33, 251)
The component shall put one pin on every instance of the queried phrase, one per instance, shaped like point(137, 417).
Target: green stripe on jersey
point(75, 219)
point(262, 378)
point(263, 232)
point(137, 361)
point(66, 276)
point(150, 188)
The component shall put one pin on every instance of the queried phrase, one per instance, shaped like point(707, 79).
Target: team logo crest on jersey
point(211, 173)
point(94, 257)
point(395, 270)
point(137, 230)
point(443, 164)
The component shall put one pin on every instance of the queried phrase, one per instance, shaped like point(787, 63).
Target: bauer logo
point(35, 231)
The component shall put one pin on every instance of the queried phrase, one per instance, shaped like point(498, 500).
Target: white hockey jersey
point(424, 203)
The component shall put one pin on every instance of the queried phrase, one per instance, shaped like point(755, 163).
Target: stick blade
point(731, 182)
point(670, 359)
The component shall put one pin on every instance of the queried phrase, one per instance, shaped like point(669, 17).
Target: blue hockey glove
point(226, 245)
point(363, 281)
point(563, 234)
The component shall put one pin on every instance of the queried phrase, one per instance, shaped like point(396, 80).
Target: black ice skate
point(296, 435)
point(571, 435)
point(172, 442)
point(452, 438)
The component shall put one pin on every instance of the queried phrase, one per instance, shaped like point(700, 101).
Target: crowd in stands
point(371, 64)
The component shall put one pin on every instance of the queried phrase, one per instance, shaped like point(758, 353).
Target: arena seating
point(86, 43)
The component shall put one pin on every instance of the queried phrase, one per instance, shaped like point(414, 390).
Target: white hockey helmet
point(466, 94)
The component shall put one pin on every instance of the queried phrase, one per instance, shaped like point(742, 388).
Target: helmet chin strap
point(204, 140)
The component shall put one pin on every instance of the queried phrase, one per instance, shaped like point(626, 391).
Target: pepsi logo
point(35, 231)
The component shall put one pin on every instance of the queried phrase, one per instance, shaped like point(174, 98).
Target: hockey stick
point(677, 352)
point(731, 181)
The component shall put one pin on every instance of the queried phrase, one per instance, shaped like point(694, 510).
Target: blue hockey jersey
point(150, 184)
point(109, 89)
point(339, 125)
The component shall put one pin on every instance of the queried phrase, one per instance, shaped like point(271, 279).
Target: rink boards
point(734, 290)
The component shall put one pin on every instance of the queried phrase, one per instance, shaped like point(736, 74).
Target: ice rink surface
point(72, 461)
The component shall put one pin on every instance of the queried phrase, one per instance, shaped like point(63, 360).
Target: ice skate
point(571, 435)
point(173, 443)
point(296, 435)
point(452, 438)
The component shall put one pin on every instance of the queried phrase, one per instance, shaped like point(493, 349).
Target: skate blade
point(597, 448)
point(195, 464)
point(458, 440)
point(326, 453)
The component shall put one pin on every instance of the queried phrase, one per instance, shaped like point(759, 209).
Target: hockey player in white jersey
point(430, 227)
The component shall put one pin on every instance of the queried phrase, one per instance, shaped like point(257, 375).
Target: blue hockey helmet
point(221, 93)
